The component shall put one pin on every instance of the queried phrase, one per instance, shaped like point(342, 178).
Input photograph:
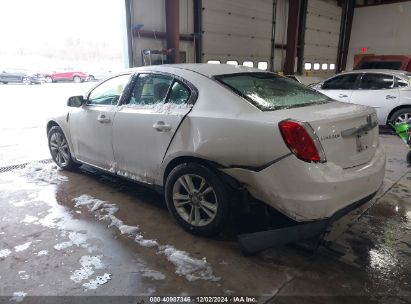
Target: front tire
point(26, 81)
point(401, 116)
point(198, 199)
point(59, 149)
point(48, 79)
point(409, 158)
point(77, 79)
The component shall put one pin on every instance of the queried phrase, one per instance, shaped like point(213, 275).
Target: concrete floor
point(85, 234)
point(50, 247)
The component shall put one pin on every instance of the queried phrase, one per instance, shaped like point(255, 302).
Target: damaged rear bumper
point(253, 243)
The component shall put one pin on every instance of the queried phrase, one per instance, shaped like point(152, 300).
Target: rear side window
point(402, 82)
point(343, 82)
point(150, 89)
point(268, 91)
point(179, 94)
point(391, 65)
point(376, 82)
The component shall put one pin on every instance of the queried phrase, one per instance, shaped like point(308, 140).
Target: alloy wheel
point(26, 81)
point(195, 200)
point(59, 149)
point(405, 117)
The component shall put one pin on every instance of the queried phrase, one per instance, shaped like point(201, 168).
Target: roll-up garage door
point(237, 30)
point(321, 37)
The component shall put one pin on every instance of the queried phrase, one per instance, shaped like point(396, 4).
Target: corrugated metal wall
point(322, 36)
point(240, 30)
point(235, 30)
point(151, 14)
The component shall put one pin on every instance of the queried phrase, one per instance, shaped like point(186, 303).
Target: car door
point(12, 76)
point(340, 87)
point(377, 90)
point(145, 125)
point(91, 124)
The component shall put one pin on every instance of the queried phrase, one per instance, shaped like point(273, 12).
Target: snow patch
point(4, 253)
point(88, 265)
point(77, 239)
point(18, 296)
point(145, 243)
point(42, 252)
point(23, 275)
point(29, 219)
point(191, 268)
point(152, 274)
point(125, 229)
point(22, 247)
point(99, 280)
point(43, 173)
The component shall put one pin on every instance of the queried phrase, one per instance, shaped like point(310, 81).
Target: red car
point(66, 75)
point(391, 62)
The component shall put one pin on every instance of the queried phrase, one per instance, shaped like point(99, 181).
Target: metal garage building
point(310, 37)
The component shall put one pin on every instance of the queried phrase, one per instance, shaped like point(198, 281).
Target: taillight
point(302, 141)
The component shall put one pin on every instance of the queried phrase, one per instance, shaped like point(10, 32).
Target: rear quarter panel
point(226, 129)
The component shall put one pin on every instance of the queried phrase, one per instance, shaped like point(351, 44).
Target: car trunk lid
point(348, 133)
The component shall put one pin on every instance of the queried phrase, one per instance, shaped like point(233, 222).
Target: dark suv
point(20, 76)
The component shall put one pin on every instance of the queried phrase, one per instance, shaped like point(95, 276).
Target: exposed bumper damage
point(253, 243)
point(310, 191)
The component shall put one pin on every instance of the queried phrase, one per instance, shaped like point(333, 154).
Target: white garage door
point(321, 37)
point(236, 30)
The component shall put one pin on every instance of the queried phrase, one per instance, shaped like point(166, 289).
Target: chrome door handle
point(390, 97)
point(103, 119)
point(161, 126)
point(342, 95)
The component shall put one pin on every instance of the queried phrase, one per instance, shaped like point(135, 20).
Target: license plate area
point(361, 141)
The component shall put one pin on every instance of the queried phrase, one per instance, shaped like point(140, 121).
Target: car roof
point(384, 71)
point(206, 69)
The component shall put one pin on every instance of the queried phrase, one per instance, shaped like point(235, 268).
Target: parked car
point(95, 75)
point(20, 76)
point(197, 132)
point(388, 91)
point(66, 74)
point(391, 62)
point(306, 80)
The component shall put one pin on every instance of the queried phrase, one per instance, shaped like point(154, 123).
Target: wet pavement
point(86, 233)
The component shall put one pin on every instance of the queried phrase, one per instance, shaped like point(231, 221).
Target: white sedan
point(201, 132)
point(388, 91)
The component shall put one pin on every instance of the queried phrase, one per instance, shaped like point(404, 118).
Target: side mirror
point(75, 101)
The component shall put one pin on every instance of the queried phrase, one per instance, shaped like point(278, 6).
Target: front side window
point(343, 82)
point(376, 82)
point(268, 91)
point(109, 92)
point(150, 89)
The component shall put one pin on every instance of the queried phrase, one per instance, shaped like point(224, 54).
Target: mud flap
point(252, 243)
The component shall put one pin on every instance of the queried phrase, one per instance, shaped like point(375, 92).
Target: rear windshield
point(391, 65)
point(268, 91)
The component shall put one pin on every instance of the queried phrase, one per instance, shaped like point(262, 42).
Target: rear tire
point(5, 82)
point(409, 158)
point(198, 199)
point(402, 115)
point(59, 149)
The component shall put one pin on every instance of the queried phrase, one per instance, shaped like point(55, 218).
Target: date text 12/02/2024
point(203, 299)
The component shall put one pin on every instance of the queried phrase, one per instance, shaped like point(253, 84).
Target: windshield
point(268, 91)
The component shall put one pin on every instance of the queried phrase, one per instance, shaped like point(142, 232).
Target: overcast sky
point(38, 24)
